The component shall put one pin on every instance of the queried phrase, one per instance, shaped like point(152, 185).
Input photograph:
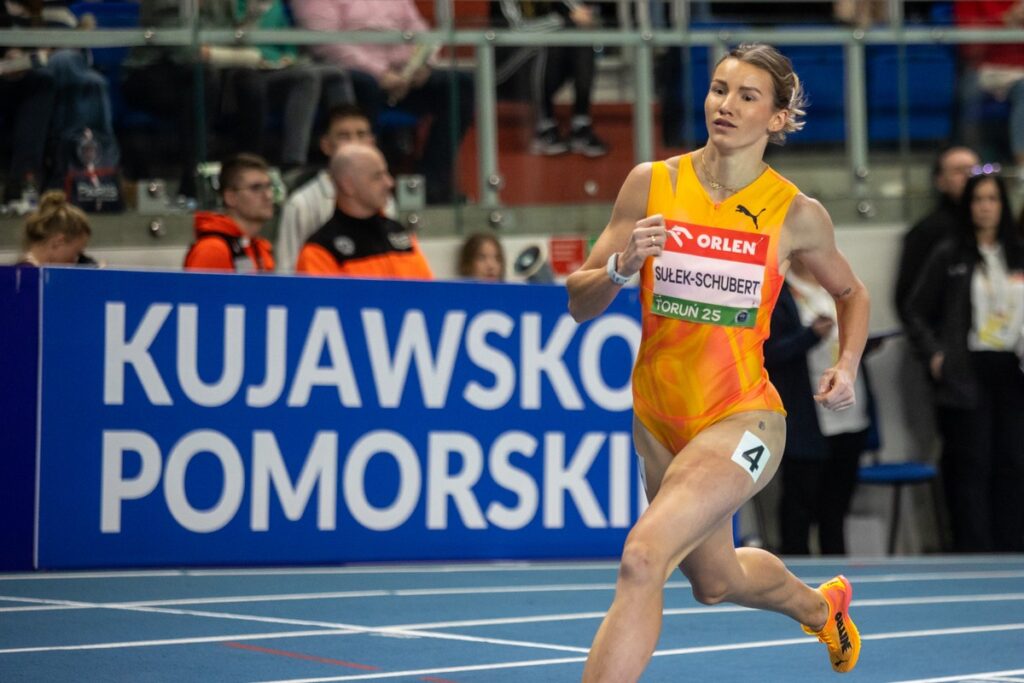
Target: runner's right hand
point(647, 239)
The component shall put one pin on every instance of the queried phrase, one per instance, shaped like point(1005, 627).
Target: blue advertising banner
point(19, 380)
point(190, 419)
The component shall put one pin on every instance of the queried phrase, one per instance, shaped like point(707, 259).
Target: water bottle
point(30, 194)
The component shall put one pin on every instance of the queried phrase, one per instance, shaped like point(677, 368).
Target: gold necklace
point(715, 185)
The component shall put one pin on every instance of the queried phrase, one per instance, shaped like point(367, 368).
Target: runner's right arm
point(628, 233)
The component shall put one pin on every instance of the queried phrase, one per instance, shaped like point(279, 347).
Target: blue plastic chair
point(897, 475)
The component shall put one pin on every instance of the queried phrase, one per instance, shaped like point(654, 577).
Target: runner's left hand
point(835, 389)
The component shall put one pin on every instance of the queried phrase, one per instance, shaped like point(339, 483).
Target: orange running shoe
point(839, 633)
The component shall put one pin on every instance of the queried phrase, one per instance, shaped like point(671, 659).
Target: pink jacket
point(361, 15)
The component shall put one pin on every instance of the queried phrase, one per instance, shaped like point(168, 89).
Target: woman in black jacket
point(965, 318)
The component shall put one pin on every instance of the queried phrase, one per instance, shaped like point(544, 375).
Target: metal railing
point(642, 44)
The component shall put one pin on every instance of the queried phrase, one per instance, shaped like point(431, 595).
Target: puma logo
point(746, 212)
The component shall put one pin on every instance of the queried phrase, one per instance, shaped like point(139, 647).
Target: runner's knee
point(641, 563)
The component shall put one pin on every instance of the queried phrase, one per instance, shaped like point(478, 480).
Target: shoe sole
point(589, 152)
point(547, 151)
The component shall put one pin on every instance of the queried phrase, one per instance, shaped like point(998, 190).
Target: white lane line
point(540, 588)
point(401, 592)
point(978, 676)
point(502, 566)
point(170, 641)
point(718, 609)
point(429, 630)
point(660, 653)
point(939, 599)
point(445, 670)
point(49, 576)
point(318, 571)
point(330, 627)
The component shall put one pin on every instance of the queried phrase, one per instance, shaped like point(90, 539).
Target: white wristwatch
point(612, 269)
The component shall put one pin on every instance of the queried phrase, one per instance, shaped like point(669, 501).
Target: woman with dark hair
point(482, 258)
point(966, 314)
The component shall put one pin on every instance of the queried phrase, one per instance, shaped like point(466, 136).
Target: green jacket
point(246, 14)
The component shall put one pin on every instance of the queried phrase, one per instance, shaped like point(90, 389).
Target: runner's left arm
point(812, 240)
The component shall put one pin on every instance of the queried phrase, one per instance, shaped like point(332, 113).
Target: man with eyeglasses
point(230, 242)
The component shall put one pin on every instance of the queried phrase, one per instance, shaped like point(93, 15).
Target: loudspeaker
point(532, 265)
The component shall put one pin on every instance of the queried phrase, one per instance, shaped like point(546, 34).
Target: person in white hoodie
point(312, 204)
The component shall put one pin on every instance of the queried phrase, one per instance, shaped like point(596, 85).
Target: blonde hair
point(55, 216)
point(789, 91)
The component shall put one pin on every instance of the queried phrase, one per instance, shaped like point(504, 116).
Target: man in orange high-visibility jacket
point(358, 240)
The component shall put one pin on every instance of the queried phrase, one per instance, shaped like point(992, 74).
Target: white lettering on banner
point(222, 391)
point(537, 358)
point(390, 375)
point(114, 488)
point(117, 353)
point(273, 382)
point(191, 445)
point(488, 358)
point(325, 330)
point(320, 469)
point(442, 485)
point(409, 478)
point(514, 480)
point(559, 479)
point(620, 447)
point(594, 339)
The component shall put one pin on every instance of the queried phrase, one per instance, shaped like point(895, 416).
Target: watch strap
point(612, 269)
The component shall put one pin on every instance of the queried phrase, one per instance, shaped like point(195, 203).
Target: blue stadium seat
point(931, 79)
point(930, 82)
point(109, 15)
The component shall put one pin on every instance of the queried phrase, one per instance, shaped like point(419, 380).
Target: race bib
point(710, 275)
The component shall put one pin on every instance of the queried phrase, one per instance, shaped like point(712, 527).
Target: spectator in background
point(553, 67)
point(313, 204)
point(949, 175)
point(996, 70)
point(823, 447)
point(861, 13)
point(57, 233)
point(278, 74)
point(27, 92)
point(359, 240)
point(230, 241)
point(400, 75)
point(481, 257)
point(965, 317)
point(162, 82)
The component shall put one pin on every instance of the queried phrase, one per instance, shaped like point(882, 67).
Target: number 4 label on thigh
point(752, 455)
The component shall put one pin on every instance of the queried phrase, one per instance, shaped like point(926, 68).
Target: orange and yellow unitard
point(707, 303)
